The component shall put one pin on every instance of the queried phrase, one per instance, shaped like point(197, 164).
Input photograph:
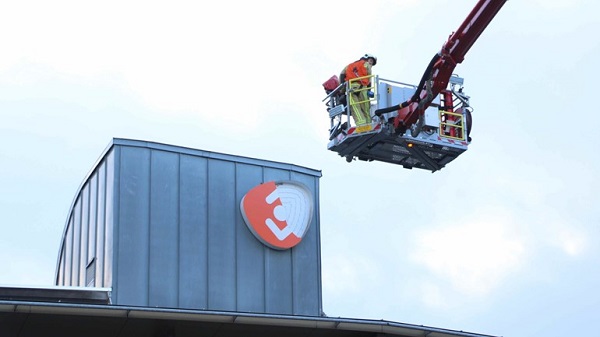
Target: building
point(163, 240)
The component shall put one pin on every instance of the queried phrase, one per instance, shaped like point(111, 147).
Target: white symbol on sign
point(292, 211)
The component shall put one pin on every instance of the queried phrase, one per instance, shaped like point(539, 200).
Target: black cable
point(416, 96)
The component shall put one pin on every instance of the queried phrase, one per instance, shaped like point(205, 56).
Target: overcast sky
point(502, 241)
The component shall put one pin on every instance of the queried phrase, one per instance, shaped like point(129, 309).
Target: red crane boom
point(436, 77)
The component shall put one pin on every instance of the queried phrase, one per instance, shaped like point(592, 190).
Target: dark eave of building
point(76, 295)
point(51, 311)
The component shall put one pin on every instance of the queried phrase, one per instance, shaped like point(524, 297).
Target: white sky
point(503, 241)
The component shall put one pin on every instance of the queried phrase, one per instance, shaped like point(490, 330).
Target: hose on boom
point(416, 96)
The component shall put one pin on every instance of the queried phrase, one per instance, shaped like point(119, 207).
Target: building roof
point(209, 154)
point(87, 312)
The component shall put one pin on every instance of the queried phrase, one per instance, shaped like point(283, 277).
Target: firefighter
point(360, 105)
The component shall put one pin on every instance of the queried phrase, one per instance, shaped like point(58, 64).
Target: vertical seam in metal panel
point(96, 224)
point(87, 234)
point(206, 225)
point(178, 243)
point(101, 249)
point(70, 234)
point(82, 255)
point(82, 251)
point(95, 217)
point(235, 232)
point(73, 260)
point(292, 271)
point(79, 242)
point(73, 238)
point(114, 222)
point(265, 257)
point(81, 258)
point(83, 273)
point(93, 220)
point(149, 238)
point(116, 199)
point(97, 246)
point(318, 244)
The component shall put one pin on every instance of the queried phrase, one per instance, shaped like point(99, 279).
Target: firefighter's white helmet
point(370, 56)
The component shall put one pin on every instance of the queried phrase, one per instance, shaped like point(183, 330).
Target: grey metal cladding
point(193, 231)
point(100, 225)
point(164, 225)
point(221, 233)
point(87, 235)
point(250, 253)
point(132, 226)
point(306, 284)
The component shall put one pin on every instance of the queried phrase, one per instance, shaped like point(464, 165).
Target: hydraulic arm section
point(440, 68)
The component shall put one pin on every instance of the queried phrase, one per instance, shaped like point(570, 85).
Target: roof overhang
point(45, 319)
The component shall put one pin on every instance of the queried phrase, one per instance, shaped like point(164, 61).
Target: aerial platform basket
point(442, 134)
